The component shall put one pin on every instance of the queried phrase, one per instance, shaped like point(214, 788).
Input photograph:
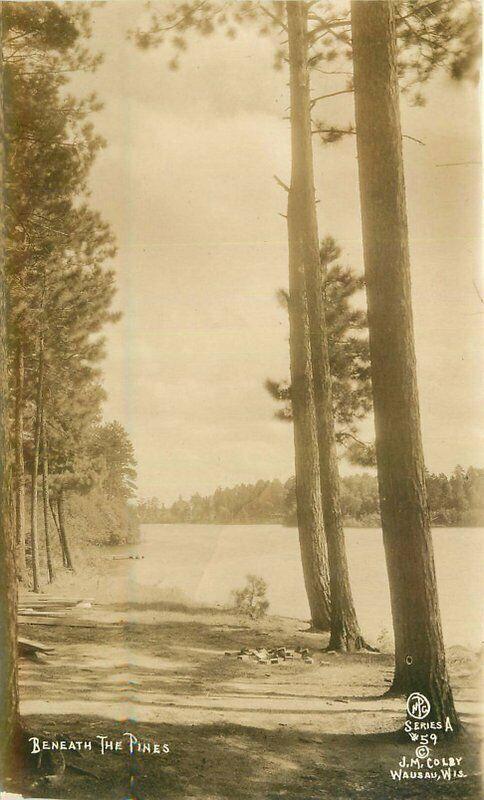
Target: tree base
point(32, 769)
point(394, 691)
point(400, 688)
point(349, 644)
point(315, 628)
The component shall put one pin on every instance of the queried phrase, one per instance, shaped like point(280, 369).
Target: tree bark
point(303, 234)
point(9, 710)
point(312, 543)
point(57, 527)
point(34, 543)
point(63, 531)
point(19, 462)
point(419, 650)
point(10, 729)
point(312, 538)
point(45, 499)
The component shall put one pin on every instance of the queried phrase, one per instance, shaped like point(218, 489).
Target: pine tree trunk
point(45, 499)
point(312, 538)
point(63, 531)
point(303, 228)
point(10, 730)
point(419, 649)
point(19, 462)
point(57, 527)
point(9, 710)
point(312, 542)
point(34, 544)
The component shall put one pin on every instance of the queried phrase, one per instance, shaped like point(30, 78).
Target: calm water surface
point(206, 562)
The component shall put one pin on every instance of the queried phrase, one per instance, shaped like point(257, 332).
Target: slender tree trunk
point(312, 542)
point(303, 232)
point(45, 499)
point(10, 729)
point(312, 538)
point(19, 462)
point(34, 544)
point(9, 710)
point(57, 527)
point(63, 531)
point(419, 648)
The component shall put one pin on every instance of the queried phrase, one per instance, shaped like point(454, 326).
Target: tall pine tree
point(419, 648)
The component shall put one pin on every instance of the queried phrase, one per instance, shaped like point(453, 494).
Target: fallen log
point(32, 602)
point(127, 558)
point(31, 612)
point(30, 646)
point(31, 597)
point(68, 623)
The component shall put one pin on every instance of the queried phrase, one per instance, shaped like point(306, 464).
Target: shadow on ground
point(234, 729)
point(235, 761)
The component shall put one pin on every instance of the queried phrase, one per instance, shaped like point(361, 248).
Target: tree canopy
point(60, 287)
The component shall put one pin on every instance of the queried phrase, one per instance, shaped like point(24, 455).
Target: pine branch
point(351, 131)
point(332, 72)
point(413, 139)
point(416, 11)
point(347, 435)
point(272, 16)
point(336, 23)
point(478, 292)
point(331, 94)
point(281, 183)
point(458, 163)
point(190, 13)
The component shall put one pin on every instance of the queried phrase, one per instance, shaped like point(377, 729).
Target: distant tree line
point(455, 500)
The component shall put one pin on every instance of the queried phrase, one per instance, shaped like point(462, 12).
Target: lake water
point(206, 562)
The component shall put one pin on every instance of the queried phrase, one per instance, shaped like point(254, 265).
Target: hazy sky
point(186, 181)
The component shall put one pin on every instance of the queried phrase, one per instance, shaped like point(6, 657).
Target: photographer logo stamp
point(418, 707)
point(424, 735)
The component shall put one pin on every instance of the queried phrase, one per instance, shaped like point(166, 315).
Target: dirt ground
point(233, 729)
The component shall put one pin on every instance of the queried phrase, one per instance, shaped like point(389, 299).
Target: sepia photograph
point(241, 393)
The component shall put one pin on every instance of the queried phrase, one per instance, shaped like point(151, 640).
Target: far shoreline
point(352, 526)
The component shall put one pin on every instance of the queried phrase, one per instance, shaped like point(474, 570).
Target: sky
point(186, 182)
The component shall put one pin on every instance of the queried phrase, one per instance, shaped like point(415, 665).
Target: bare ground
point(234, 729)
